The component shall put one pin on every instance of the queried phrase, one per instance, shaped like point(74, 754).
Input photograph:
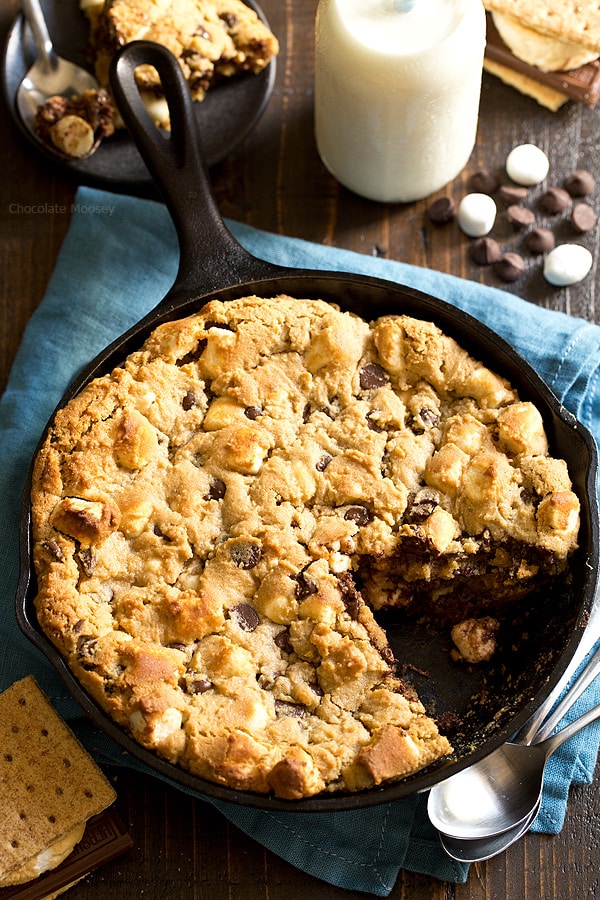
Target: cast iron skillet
point(492, 702)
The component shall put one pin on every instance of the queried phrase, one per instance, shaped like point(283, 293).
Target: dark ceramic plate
point(226, 116)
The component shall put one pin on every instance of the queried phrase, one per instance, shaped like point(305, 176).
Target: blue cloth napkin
point(117, 262)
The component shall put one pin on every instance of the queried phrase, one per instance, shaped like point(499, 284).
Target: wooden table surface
point(275, 181)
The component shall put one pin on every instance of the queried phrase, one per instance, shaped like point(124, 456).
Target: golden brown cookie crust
point(200, 515)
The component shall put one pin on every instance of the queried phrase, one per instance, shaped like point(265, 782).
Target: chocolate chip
point(306, 413)
point(350, 595)
point(266, 680)
point(519, 216)
point(429, 416)
point(87, 561)
point(359, 514)
point(283, 708)
point(229, 18)
point(202, 33)
point(323, 462)
point(510, 193)
point(282, 641)
point(373, 376)
point(425, 418)
point(216, 490)
point(212, 323)
point(246, 616)
point(484, 181)
point(245, 555)
point(387, 655)
point(510, 266)
point(53, 547)
point(484, 251)
point(252, 412)
point(555, 200)
point(539, 240)
point(193, 355)
point(419, 507)
point(198, 685)
point(189, 400)
point(442, 210)
point(580, 183)
point(373, 425)
point(304, 586)
point(528, 495)
point(86, 646)
point(583, 218)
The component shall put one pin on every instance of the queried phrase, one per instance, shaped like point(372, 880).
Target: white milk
point(397, 93)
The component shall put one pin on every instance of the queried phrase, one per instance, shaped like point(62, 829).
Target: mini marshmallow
point(476, 214)
point(527, 164)
point(567, 264)
point(73, 136)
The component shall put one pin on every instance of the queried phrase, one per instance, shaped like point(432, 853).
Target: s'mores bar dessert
point(211, 39)
point(219, 521)
point(50, 787)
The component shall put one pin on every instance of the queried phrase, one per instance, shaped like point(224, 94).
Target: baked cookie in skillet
point(218, 521)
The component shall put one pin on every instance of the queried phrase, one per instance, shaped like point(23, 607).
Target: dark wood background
point(183, 850)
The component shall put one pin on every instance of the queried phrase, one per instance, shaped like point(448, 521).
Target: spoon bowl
point(49, 76)
point(478, 850)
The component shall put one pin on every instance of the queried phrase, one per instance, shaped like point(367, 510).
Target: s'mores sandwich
point(547, 49)
point(50, 788)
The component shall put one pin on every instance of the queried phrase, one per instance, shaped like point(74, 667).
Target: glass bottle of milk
point(397, 87)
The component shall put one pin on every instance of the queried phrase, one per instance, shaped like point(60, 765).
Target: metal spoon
point(484, 801)
point(50, 75)
point(479, 849)
point(543, 721)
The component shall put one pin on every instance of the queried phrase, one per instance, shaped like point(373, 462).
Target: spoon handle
point(553, 743)
point(34, 15)
point(587, 676)
point(529, 731)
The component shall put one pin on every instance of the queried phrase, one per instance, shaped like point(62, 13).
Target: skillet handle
point(210, 257)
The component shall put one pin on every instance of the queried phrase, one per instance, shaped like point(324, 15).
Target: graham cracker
point(544, 95)
point(49, 784)
point(577, 21)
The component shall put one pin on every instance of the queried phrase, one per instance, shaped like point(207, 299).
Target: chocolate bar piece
point(582, 84)
point(104, 839)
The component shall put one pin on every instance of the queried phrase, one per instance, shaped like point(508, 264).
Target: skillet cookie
point(217, 521)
